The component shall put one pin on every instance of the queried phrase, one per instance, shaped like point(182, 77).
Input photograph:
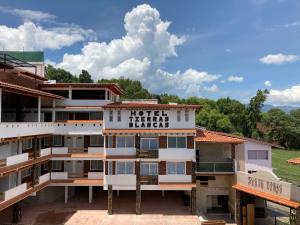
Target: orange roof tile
point(213, 137)
point(151, 131)
point(120, 105)
point(267, 196)
point(295, 161)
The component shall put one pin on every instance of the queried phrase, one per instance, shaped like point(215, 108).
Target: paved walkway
point(156, 210)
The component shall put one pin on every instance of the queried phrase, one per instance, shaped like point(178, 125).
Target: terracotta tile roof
point(150, 131)
point(267, 196)
point(295, 161)
point(27, 91)
point(213, 137)
point(112, 86)
point(120, 105)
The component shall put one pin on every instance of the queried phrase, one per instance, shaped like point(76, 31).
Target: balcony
point(175, 178)
point(85, 127)
point(149, 180)
point(115, 152)
point(15, 129)
point(151, 154)
point(175, 154)
point(215, 167)
point(75, 179)
point(123, 181)
point(77, 153)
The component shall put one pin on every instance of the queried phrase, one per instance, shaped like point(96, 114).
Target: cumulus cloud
point(139, 54)
point(237, 79)
point(30, 36)
point(212, 88)
point(279, 59)
point(268, 83)
point(289, 96)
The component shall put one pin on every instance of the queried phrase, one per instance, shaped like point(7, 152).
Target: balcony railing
point(214, 167)
point(149, 180)
point(153, 154)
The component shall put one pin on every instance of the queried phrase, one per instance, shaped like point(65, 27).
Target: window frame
point(111, 116)
point(126, 141)
point(178, 115)
point(176, 168)
point(185, 137)
point(53, 142)
point(148, 167)
point(148, 139)
point(26, 173)
point(59, 162)
point(96, 144)
point(26, 146)
point(119, 116)
point(257, 156)
point(98, 167)
point(125, 167)
point(187, 115)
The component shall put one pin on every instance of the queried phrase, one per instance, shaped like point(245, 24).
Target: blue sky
point(210, 48)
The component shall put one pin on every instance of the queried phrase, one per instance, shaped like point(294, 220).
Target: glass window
point(56, 165)
point(149, 169)
point(26, 173)
point(176, 167)
point(46, 141)
point(96, 115)
point(186, 115)
point(178, 115)
point(57, 140)
point(110, 167)
point(111, 116)
point(97, 140)
point(27, 144)
point(119, 116)
point(110, 141)
point(125, 141)
point(96, 165)
point(62, 116)
point(125, 168)
point(149, 143)
point(258, 155)
point(176, 142)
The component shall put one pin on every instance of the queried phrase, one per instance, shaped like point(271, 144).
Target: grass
point(283, 169)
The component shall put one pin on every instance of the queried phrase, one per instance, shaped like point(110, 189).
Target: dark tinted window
point(88, 94)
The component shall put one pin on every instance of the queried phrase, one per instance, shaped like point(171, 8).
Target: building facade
point(59, 136)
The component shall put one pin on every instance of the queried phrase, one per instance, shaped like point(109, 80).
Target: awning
point(149, 131)
point(214, 137)
point(177, 186)
point(270, 197)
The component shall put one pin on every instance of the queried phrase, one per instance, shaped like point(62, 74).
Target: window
point(96, 165)
point(149, 169)
point(110, 168)
point(96, 115)
point(110, 142)
point(97, 140)
point(178, 115)
point(46, 141)
point(63, 116)
point(27, 144)
point(111, 116)
point(176, 142)
point(175, 167)
point(149, 143)
point(88, 94)
point(119, 116)
point(56, 165)
point(125, 141)
point(258, 155)
point(186, 115)
point(57, 140)
point(26, 173)
point(125, 167)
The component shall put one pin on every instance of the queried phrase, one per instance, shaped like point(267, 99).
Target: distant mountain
point(285, 108)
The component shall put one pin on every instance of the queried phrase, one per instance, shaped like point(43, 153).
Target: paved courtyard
point(155, 210)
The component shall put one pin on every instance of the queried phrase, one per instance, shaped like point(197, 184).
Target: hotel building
point(56, 137)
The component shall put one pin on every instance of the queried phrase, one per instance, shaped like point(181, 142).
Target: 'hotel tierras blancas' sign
point(148, 119)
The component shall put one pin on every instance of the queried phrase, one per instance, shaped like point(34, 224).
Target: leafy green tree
point(60, 75)
point(167, 98)
point(85, 77)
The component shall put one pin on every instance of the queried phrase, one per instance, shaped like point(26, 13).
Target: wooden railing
point(153, 154)
point(149, 180)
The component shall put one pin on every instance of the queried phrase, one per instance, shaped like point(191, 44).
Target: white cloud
point(238, 79)
point(268, 83)
point(279, 59)
point(289, 96)
point(29, 15)
point(292, 24)
point(228, 50)
point(30, 36)
point(139, 54)
point(212, 88)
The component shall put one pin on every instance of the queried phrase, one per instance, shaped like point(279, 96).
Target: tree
point(60, 75)
point(167, 98)
point(85, 77)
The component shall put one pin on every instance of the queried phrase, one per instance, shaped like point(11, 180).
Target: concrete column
point(193, 203)
point(110, 200)
point(118, 193)
point(17, 213)
point(70, 92)
point(53, 110)
point(66, 194)
point(138, 197)
point(90, 194)
point(39, 108)
point(298, 216)
point(0, 105)
point(163, 193)
point(238, 208)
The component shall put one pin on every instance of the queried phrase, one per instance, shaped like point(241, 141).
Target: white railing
point(122, 180)
point(177, 154)
point(44, 178)
point(95, 175)
point(14, 192)
point(15, 159)
point(45, 152)
point(95, 150)
point(14, 129)
point(120, 151)
point(80, 128)
point(175, 178)
point(59, 175)
point(59, 150)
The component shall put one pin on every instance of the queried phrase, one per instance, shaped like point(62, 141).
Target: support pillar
point(53, 110)
point(138, 197)
point(110, 200)
point(66, 194)
point(17, 213)
point(0, 105)
point(163, 193)
point(118, 193)
point(297, 216)
point(193, 203)
point(238, 208)
point(90, 194)
point(39, 108)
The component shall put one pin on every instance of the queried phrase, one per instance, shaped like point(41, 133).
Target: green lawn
point(283, 169)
